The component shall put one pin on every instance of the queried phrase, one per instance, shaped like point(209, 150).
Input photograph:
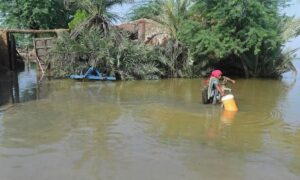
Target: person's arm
point(220, 90)
point(228, 79)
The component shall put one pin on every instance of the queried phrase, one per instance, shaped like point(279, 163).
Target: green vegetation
point(170, 13)
point(149, 9)
point(244, 36)
point(89, 8)
point(79, 17)
point(96, 43)
point(34, 14)
point(113, 54)
point(239, 37)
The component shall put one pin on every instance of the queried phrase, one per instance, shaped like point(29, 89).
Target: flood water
point(145, 130)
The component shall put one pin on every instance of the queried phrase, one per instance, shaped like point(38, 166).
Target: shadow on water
point(16, 87)
point(9, 88)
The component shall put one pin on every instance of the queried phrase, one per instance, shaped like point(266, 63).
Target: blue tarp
point(92, 74)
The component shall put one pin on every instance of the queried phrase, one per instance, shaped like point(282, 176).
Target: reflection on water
point(18, 87)
point(150, 130)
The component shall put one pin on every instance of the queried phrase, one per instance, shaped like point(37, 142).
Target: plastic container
point(229, 103)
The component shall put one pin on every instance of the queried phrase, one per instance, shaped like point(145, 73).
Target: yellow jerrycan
point(229, 103)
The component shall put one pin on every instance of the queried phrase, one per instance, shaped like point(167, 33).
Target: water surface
point(64, 129)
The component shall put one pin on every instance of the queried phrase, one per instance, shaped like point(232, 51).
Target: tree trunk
point(244, 65)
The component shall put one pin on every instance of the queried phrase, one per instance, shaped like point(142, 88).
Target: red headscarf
point(216, 73)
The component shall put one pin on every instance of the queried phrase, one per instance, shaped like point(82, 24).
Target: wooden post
point(4, 51)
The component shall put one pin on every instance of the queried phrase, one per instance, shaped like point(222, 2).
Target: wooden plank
point(42, 47)
point(34, 31)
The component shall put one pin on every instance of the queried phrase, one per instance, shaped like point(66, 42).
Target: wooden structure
point(8, 50)
point(148, 31)
point(5, 59)
point(42, 46)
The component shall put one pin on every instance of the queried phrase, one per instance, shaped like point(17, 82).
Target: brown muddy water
point(145, 130)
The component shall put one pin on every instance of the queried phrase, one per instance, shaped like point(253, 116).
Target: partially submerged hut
point(148, 31)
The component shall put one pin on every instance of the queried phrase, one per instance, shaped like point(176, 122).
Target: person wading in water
point(215, 90)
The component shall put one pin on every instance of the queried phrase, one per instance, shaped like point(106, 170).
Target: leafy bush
point(114, 54)
point(244, 35)
point(79, 17)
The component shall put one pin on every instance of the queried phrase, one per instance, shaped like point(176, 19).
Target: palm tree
point(148, 9)
point(96, 12)
point(173, 14)
point(291, 29)
point(170, 13)
point(96, 7)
